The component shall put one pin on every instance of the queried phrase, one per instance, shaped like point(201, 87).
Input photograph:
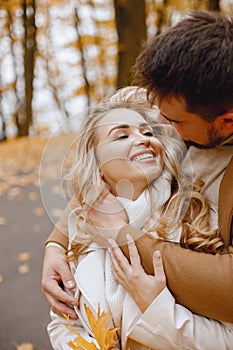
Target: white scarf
point(138, 211)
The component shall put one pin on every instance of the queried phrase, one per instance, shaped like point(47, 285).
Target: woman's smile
point(147, 156)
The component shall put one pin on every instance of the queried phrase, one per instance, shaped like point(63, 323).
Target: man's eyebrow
point(125, 126)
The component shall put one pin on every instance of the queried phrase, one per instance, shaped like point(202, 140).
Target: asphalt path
point(24, 310)
point(31, 200)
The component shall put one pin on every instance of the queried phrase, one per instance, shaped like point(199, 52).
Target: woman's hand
point(56, 270)
point(142, 287)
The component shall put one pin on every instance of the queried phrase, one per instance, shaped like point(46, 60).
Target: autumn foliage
point(105, 337)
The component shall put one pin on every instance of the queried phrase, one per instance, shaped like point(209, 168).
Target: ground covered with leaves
point(31, 201)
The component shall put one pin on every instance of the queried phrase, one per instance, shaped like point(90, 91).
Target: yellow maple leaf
point(105, 336)
point(79, 343)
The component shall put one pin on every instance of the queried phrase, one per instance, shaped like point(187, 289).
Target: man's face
point(193, 129)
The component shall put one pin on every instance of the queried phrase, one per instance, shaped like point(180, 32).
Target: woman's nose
point(143, 140)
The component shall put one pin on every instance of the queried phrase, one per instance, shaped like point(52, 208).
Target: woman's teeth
point(143, 156)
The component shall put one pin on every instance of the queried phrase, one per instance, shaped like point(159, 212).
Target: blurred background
point(57, 59)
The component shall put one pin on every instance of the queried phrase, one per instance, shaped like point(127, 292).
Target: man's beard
point(214, 139)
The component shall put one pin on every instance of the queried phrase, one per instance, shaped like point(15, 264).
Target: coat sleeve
point(201, 282)
point(166, 325)
point(60, 335)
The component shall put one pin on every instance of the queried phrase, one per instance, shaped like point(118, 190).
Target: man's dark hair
point(192, 60)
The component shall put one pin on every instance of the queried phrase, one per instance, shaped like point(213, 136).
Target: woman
point(119, 152)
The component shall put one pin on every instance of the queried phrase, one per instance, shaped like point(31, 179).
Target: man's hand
point(55, 271)
point(105, 219)
point(142, 287)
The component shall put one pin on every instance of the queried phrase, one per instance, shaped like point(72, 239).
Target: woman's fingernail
point(129, 238)
point(157, 254)
point(112, 242)
point(70, 284)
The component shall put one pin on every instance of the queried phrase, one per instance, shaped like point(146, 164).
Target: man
point(188, 73)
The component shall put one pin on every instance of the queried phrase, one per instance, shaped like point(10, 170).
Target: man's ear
point(225, 122)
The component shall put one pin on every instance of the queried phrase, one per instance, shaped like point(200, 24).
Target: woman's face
point(129, 156)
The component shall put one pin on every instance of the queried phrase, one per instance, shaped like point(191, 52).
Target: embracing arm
point(201, 282)
point(56, 269)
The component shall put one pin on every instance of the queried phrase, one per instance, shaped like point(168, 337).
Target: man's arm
point(199, 281)
point(55, 274)
point(56, 271)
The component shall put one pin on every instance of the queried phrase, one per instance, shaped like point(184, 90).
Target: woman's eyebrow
point(125, 126)
point(122, 126)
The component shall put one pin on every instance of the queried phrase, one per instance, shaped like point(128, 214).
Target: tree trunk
point(214, 5)
point(3, 129)
point(131, 27)
point(29, 42)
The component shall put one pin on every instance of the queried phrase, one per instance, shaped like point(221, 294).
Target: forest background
point(60, 57)
point(57, 59)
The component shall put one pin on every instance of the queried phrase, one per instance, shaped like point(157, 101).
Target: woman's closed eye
point(121, 137)
point(125, 135)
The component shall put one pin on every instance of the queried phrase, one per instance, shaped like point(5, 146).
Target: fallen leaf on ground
point(25, 346)
point(32, 196)
point(36, 228)
point(24, 256)
point(1, 279)
point(15, 193)
point(2, 221)
point(38, 211)
point(23, 268)
point(21, 160)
